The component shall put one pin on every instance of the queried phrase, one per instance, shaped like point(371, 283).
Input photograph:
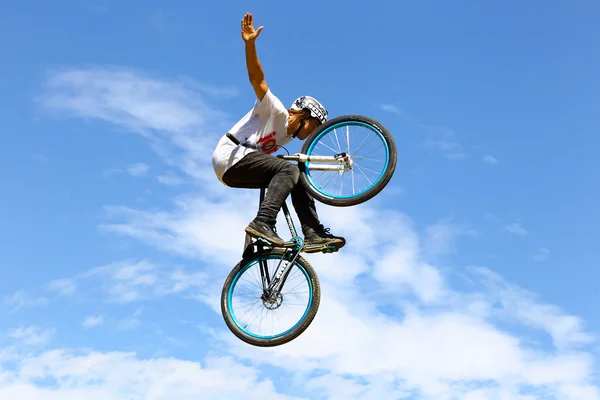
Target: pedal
point(330, 249)
point(265, 242)
point(322, 249)
point(311, 249)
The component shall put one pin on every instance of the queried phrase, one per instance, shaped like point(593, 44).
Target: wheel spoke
point(370, 161)
point(267, 317)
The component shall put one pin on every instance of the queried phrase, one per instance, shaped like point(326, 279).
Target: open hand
point(248, 32)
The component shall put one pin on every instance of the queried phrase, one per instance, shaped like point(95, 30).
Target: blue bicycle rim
point(325, 131)
point(234, 282)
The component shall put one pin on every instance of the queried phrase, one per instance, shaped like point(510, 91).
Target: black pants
point(281, 178)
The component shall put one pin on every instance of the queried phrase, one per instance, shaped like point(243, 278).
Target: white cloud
point(197, 228)
point(77, 375)
point(130, 281)
point(440, 237)
point(490, 159)
point(174, 116)
point(492, 217)
point(451, 148)
point(21, 299)
point(390, 108)
point(93, 320)
point(390, 320)
point(170, 179)
point(123, 97)
point(541, 255)
point(32, 335)
point(336, 387)
point(517, 229)
point(442, 138)
point(214, 230)
point(566, 330)
point(437, 354)
point(430, 349)
point(111, 171)
point(64, 287)
point(133, 321)
point(396, 110)
point(138, 169)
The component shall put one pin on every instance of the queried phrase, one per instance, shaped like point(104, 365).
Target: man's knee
point(292, 171)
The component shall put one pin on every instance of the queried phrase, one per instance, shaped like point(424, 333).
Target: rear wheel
point(277, 320)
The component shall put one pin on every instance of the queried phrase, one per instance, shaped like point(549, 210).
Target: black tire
point(297, 329)
point(361, 197)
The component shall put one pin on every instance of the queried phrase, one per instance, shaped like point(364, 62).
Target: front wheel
point(282, 317)
point(366, 160)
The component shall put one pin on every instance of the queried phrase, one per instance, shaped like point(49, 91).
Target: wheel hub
point(346, 161)
point(273, 301)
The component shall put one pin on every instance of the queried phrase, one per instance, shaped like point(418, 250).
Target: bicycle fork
point(272, 285)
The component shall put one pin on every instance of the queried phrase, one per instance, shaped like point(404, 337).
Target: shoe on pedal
point(322, 237)
point(263, 230)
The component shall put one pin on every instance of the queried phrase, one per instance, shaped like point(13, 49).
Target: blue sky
point(117, 237)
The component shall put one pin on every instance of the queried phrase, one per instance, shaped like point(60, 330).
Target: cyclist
point(263, 129)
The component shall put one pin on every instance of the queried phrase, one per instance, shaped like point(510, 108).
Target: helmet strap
point(302, 121)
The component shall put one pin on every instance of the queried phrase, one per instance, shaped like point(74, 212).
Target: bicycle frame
point(272, 284)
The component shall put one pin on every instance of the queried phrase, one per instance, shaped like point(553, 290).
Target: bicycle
point(270, 280)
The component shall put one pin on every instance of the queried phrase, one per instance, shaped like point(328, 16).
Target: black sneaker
point(265, 231)
point(322, 237)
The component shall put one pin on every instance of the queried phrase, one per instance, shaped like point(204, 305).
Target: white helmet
point(310, 103)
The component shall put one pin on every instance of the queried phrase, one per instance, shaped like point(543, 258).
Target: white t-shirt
point(265, 125)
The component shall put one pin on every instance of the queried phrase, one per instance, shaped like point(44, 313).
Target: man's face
point(309, 126)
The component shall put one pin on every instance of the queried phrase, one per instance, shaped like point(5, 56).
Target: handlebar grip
point(233, 138)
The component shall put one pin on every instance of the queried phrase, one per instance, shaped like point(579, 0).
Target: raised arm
point(255, 71)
